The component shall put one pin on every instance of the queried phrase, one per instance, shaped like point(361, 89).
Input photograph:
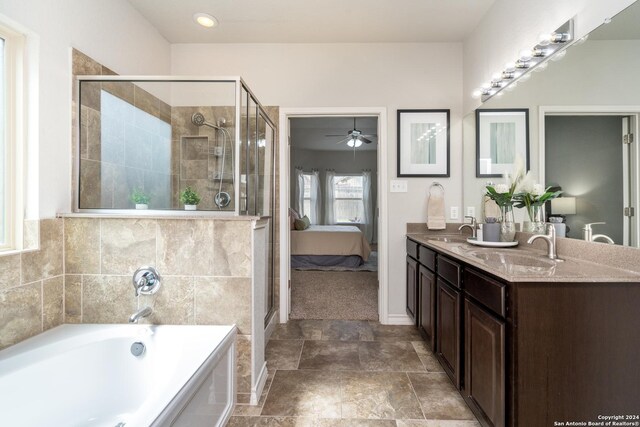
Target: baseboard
point(256, 391)
point(398, 319)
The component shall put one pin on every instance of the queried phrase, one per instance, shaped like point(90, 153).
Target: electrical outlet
point(454, 212)
point(398, 186)
point(471, 211)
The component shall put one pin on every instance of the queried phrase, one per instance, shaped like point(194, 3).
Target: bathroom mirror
point(581, 107)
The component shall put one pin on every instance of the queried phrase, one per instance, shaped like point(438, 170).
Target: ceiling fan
point(354, 138)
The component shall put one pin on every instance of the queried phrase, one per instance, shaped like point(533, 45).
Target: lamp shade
point(563, 206)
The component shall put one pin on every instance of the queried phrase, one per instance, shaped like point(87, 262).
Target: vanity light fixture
point(206, 20)
point(550, 46)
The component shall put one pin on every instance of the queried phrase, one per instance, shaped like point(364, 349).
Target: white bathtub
point(86, 375)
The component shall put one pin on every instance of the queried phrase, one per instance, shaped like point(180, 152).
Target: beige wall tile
point(224, 301)
point(127, 244)
point(52, 302)
point(107, 299)
point(84, 65)
point(73, 298)
point(185, 247)
point(173, 304)
point(20, 313)
point(47, 261)
point(243, 363)
point(82, 245)
point(9, 271)
point(232, 248)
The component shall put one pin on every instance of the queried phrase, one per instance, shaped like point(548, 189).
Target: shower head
point(198, 119)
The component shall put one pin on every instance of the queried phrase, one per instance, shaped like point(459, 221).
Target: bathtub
point(87, 375)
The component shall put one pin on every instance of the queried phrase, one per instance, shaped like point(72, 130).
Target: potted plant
point(190, 199)
point(140, 198)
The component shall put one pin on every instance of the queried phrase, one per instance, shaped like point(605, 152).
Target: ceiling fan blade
point(365, 140)
point(369, 136)
point(333, 136)
point(342, 141)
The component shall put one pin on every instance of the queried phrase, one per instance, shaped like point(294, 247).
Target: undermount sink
point(515, 262)
point(451, 238)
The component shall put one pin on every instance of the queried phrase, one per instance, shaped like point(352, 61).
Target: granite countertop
point(532, 264)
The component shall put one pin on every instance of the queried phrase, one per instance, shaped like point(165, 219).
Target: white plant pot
point(142, 206)
point(190, 207)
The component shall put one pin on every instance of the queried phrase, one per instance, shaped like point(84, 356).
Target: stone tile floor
point(345, 373)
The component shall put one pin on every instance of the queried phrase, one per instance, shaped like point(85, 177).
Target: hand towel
point(435, 209)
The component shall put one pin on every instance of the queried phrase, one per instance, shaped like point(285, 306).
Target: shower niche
point(143, 142)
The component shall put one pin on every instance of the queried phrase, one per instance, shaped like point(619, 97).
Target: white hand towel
point(435, 209)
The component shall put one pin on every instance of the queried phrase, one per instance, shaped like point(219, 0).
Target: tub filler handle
point(146, 281)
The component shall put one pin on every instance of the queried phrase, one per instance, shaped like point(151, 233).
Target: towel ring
point(436, 184)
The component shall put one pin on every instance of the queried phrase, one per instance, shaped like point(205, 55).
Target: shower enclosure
point(144, 141)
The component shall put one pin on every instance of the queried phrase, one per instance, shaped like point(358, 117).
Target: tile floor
point(353, 373)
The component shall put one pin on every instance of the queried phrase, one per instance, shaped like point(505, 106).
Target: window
point(348, 195)
point(306, 205)
point(11, 135)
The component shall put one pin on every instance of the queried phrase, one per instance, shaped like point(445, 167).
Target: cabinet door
point(484, 385)
point(427, 310)
point(412, 289)
point(448, 330)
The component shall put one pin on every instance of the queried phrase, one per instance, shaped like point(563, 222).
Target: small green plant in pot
point(140, 198)
point(190, 198)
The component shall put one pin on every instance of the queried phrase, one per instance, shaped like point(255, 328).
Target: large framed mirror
point(584, 107)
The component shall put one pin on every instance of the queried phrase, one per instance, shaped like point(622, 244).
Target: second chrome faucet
point(550, 238)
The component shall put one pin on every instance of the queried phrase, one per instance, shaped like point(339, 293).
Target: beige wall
point(31, 287)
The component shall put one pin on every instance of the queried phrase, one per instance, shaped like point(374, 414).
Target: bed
point(329, 246)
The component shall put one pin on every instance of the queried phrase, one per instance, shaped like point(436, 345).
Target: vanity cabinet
point(484, 344)
point(427, 289)
point(532, 353)
point(448, 315)
point(412, 289)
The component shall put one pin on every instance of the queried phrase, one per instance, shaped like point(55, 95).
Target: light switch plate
point(398, 186)
point(454, 212)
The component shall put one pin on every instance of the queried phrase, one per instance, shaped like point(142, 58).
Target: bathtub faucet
point(143, 312)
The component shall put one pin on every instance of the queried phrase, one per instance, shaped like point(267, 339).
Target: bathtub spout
point(143, 312)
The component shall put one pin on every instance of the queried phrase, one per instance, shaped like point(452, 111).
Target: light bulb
point(525, 55)
point(476, 94)
point(544, 39)
point(205, 20)
point(509, 66)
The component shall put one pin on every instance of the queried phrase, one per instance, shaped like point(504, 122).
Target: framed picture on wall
point(423, 143)
point(501, 135)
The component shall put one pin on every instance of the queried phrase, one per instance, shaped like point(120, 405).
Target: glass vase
point(536, 220)
point(507, 224)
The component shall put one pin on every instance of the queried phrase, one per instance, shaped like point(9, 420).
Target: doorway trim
point(284, 165)
point(589, 110)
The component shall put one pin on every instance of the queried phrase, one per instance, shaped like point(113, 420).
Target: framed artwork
point(423, 143)
point(500, 136)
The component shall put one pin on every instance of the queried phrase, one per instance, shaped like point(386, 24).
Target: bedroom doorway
point(332, 258)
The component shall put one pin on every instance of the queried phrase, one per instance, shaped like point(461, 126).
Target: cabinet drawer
point(449, 271)
point(485, 290)
point(412, 249)
point(427, 257)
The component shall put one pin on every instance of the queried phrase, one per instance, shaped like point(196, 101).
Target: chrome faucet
point(587, 233)
point(473, 226)
point(550, 238)
point(143, 312)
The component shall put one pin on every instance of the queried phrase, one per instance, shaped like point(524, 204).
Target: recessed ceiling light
point(205, 20)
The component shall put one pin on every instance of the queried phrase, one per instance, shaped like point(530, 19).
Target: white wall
point(395, 76)
point(511, 26)
point(111, 32)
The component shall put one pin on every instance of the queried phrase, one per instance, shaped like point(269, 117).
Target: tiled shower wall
point(32, 287)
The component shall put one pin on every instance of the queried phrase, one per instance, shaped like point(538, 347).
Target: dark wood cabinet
point(448, 330)
point(427, 309)
point(412, 289)
point(484, 364)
